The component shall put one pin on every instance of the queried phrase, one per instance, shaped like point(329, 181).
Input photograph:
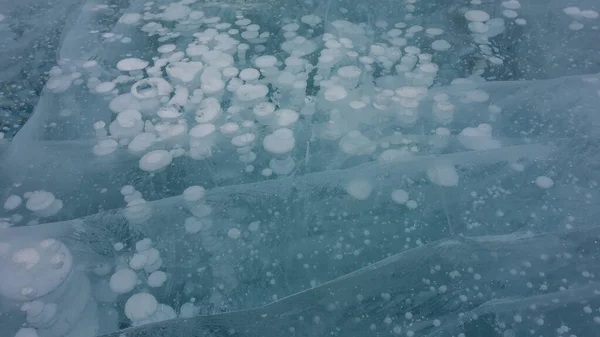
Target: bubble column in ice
point(242, 51)
point(285, 118)
point(349, 76)
point(425, 74)
point(280, 143)
point(202, 140)
point(137, 211)
point(193, 198)
point(443, 112)
point(309, 107)
point(294, 65)
point(334, 128)
point(55, 296)
point(298, 94)
point(407, 104)
point(264, 113)
point(100, 129)
point(60, 79)
point(244, 144)
point(212, 83)
point(283, 86)
point(367, 70)
point(267, 64)
point(326, 62)
point(126, 125)
point(332, 96)
point(199, 223)
point(146, 257)
point(440, 139)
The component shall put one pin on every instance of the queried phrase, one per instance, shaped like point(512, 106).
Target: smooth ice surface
point(316, 168)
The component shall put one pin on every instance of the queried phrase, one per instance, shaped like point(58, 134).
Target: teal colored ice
point(299, 168)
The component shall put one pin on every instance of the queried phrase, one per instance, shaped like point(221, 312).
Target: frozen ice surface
point(392, 296)
point(202, 168)
point(30, 34)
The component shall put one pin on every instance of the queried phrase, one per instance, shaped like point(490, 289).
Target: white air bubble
point(576, 26)
point(140, 307)
point(234, 233)
point(281, 141)
point(12, 202)
point(123, 281)
point(359, 189)
point(105, 147)
point(572, 11)
point(155, 161)
point(477, 16)
point(443, 175)
point(132, 64)
point(544, 182)
point(589, 14)
point(440, 45)
point(157, 279)
point(400, 196)
point(412, 204)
